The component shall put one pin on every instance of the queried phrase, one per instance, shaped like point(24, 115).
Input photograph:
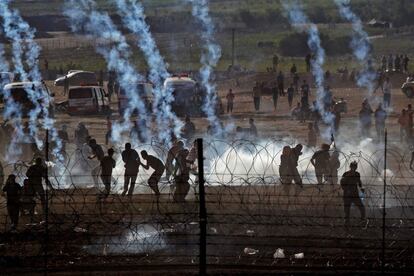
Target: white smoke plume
point(133, 16)
point(301, 22)
point(84, 18)
point(25, 48)
point(209, 60)
point(360, 46)
point(12, 111)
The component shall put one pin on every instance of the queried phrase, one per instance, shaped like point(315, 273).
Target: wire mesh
point(252, 217)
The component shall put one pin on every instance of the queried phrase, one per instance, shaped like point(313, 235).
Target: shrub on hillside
point(296, 44)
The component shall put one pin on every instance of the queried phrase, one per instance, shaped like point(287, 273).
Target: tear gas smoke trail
point(12, 32)
point(132, 14)
point(209, 59)
point(360, 46)
point(22, 37)
point(114, 48)
point(12, 110)
point(300, 21)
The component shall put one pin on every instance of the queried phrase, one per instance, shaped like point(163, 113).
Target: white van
point(145, 91)
point(19, 92)
point(88, 100)
point(188, 96)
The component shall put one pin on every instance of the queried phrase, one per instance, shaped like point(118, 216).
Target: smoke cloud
point(15, 30)
point(85, 19)
point(132, 14)
point(360, 46)
point(12, 110)
point(24, 47)
point(301, 22)
point(209, 59)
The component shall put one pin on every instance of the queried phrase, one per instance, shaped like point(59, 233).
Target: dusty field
point(269, 123)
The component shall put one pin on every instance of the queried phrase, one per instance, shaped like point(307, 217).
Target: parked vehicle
point(188, 96)
point(88, 100)
point(77, 78)
point(21, 94)
point(144, 89)
point(408, 88)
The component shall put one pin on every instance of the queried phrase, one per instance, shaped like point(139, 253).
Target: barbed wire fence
point(252, 220)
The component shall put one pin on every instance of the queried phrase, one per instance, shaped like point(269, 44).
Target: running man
point(158, 167)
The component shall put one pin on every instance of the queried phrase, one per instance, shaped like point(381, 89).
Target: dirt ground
point(270, 123)
point(83, 237)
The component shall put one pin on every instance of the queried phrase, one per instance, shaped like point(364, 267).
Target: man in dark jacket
point(320, 160)
point(81, 135)
point(275, 95)
point(98, 154)
point(107, 165)
point(188, 130)
point(281, 83)
point(350, 182)
point(13, 193)
point(290, 94)
point(36, 173)
point(296, 152)
point(181, 176)
point(132, 162)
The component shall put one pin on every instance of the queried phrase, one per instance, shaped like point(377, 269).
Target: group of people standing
point(22, 198)
point(277, 90)
point(326, 165)
point(397, 63)
point(365, 119)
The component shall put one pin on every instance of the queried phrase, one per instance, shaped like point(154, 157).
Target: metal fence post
point(384, 213)
point(46, 210)
point(203, 211)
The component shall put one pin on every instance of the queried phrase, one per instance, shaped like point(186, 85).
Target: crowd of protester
point(180, 161)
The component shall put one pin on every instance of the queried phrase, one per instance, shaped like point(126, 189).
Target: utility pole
point(203, 211)
point(384, 213)
point(46, 210)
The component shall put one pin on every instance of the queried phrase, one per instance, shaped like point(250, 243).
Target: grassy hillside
point(256, 21)
point(318, 10)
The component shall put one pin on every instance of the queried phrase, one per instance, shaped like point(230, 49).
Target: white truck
point(188, 96)
point(88, 99)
